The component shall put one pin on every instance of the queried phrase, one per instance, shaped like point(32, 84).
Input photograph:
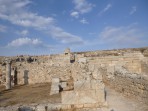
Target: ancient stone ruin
point(80, 78)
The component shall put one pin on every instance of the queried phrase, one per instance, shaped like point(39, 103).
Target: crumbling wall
point(132, 85)
point(43, 70)
point(126, 74)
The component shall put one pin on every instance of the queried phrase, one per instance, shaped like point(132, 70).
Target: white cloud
point(108, 6)
point(84, 21)
point(23, 46)
point(65, 37)
point(23, 32)
point(18, 13)
point(133, 10)
point(3, 28)
point(12, 6)
point(122, 36)
point(82, 6)
point(29, 20)
point(24, 42)
point(75, 14)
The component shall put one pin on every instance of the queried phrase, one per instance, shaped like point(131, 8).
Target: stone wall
point(46, 67)
point(132, 85)
point(43, 69)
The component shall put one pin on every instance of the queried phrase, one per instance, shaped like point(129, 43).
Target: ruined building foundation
point(81, 78)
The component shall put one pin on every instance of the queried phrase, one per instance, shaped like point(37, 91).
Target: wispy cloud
point(84, 21)
point(83, 6)
point(65, 37)
point(24, 42)
point(3, 28)
point(122, 36)
point(108, 6)
point(22, 33)
point(133, 10)
point(75, 14)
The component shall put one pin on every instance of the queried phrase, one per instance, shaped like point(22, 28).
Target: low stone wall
point(131, 85)
point(52, 107)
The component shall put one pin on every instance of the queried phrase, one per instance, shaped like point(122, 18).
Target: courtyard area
point(27, 94)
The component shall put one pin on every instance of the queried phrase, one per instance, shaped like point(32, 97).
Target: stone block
point(66, 107)
point(82, 85)
point(81, 97)
point(69, 97)
point(55, 86)
point(63, 84)
point(55, 89)
point(100, 95)
point(54, 92)
point(53, 107)
point(89, 105)
point(24, 108)
point(40, 108)
point(87, 97)
point(78, 106)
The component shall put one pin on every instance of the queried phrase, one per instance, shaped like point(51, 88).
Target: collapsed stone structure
point(81, 77)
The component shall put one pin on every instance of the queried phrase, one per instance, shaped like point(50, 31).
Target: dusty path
point(117, 102)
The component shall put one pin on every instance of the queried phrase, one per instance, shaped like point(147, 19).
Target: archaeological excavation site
point(107, 80)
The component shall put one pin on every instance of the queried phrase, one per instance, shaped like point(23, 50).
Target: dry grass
point(26, 94)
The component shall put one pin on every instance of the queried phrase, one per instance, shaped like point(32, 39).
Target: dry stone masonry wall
point(132, 85)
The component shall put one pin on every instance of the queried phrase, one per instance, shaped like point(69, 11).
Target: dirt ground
point(26, 94)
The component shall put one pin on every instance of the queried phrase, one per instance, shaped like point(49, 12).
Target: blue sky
point(39, 27)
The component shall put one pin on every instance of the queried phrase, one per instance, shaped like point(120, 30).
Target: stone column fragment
point(55, 86)
point(8, 74)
